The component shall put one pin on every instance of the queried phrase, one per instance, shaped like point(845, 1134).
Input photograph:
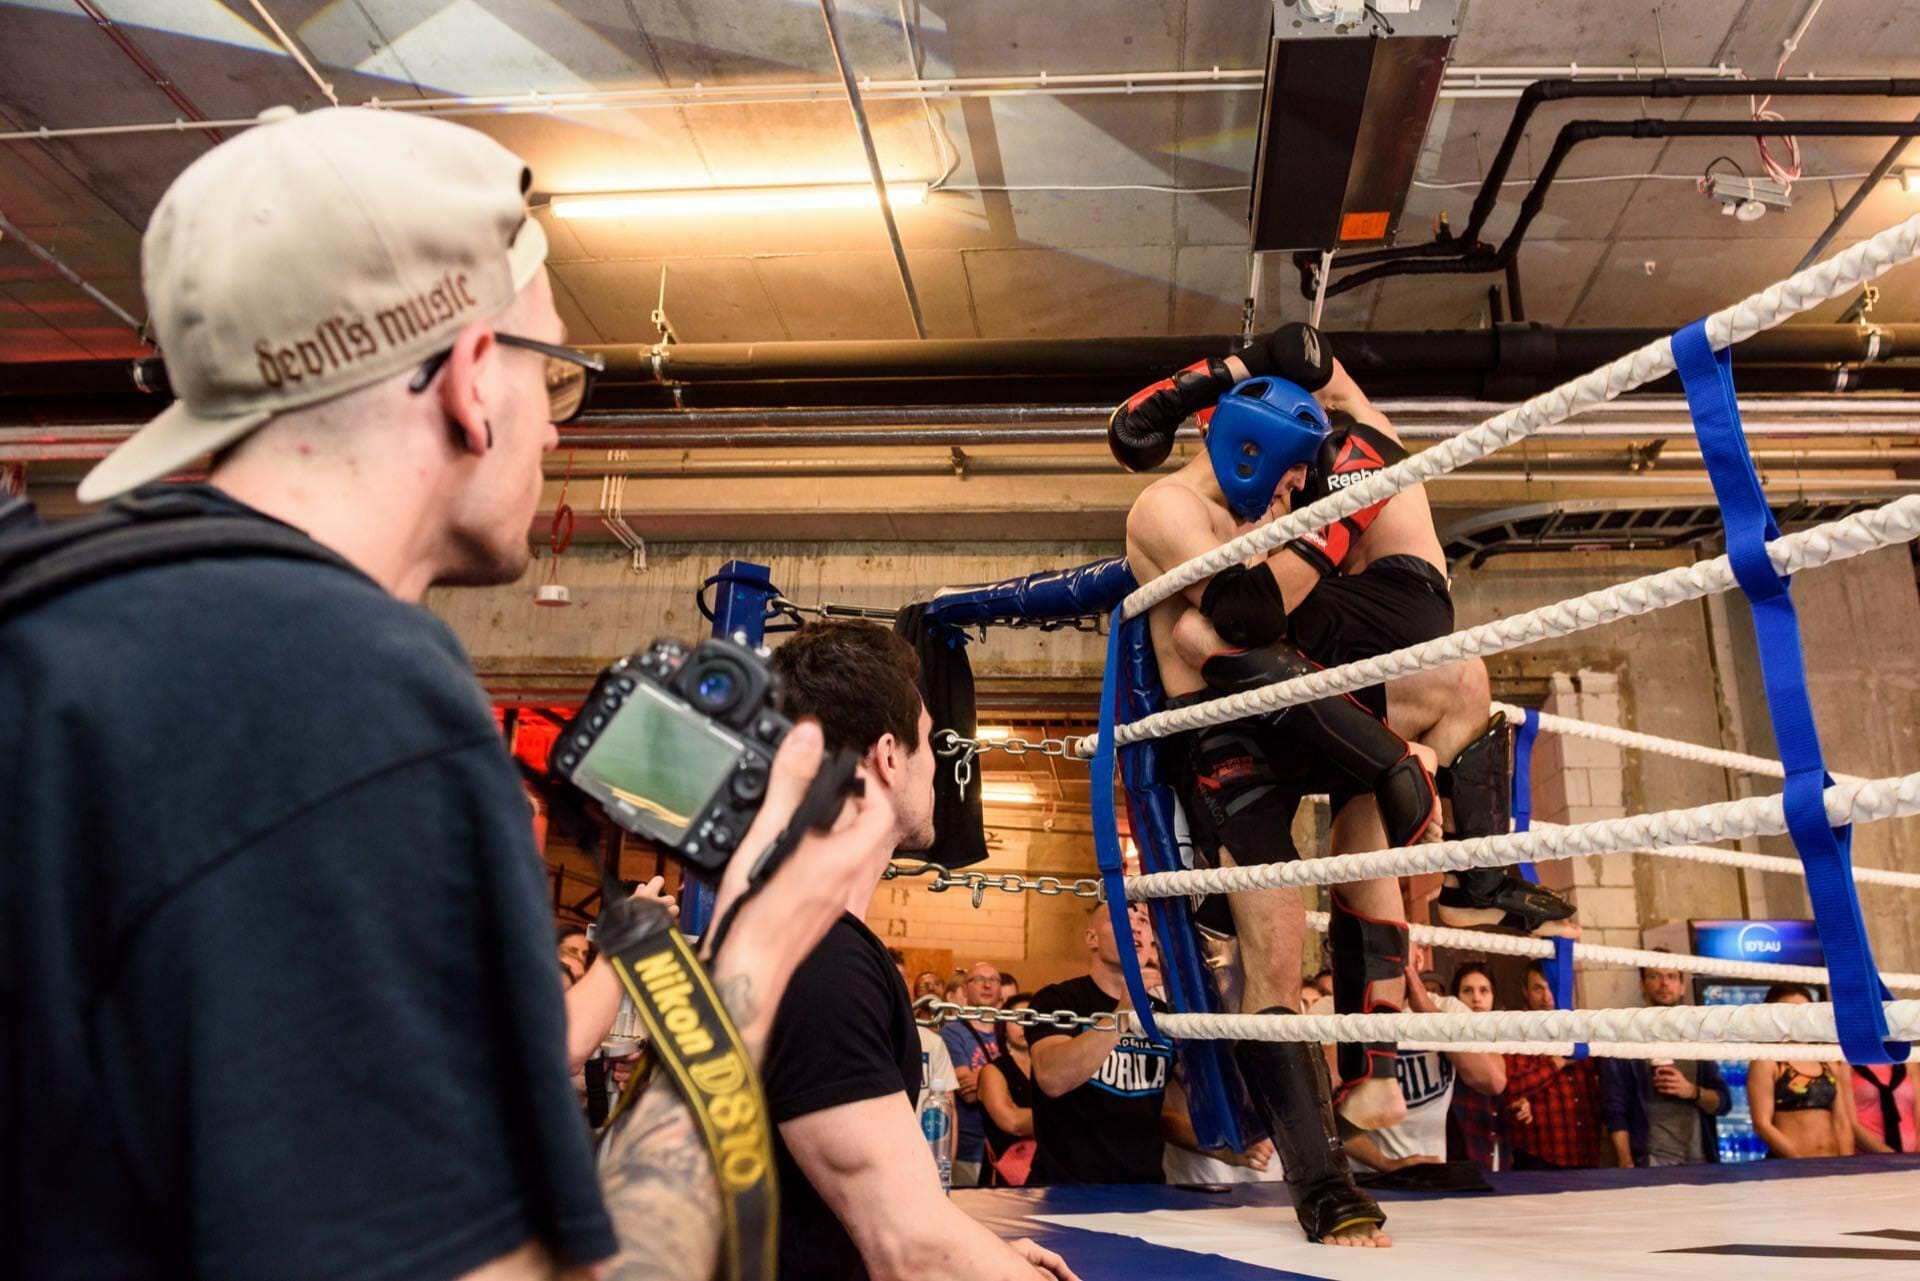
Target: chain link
point(932, 1012)
point(978, 883)
point(952, 743)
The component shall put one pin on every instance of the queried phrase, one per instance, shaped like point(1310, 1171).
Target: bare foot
point(1361, 1236)
point(1374, 1104)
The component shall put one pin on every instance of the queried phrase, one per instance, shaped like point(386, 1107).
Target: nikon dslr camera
point(677, 746)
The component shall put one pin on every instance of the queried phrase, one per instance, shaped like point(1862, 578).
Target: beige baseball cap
point(312, 255)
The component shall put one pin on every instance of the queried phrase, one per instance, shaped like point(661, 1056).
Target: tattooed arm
point(659, 1188)
point(655, 1173)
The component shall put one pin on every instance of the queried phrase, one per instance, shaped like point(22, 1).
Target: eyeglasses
point(569, 374)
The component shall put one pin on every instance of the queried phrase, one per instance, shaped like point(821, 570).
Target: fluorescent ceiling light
point(992, 734)
point(727, 200)
point(1010, 793)
point(1910, 180)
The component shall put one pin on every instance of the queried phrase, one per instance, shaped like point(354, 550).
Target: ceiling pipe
point(1530, 348)
point(161, 81)
point(1874, 177)
point(1566, 89)
point(74, 278)
point(1005, 426)
point(832, 17)
point(1047, 376)
point(1459, 82)
point(1476, 257)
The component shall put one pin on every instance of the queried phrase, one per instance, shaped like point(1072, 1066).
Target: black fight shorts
point(1394, 602)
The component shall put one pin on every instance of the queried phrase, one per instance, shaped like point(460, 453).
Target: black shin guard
point(1365, 954)
point(1479, 782)
point(1480, 785)
point(1337, 731)
point(1288, 1084)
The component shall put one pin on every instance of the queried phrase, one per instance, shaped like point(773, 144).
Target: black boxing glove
point(1140, 432)
point(1296, 352)
point(1352, 452)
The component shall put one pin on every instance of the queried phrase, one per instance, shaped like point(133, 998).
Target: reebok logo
point(1310, 345)
point(1357, 455)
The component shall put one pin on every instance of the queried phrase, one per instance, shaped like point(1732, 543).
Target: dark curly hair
point(858, 679)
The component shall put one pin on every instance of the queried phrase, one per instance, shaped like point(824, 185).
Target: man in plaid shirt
point(1551, 1103)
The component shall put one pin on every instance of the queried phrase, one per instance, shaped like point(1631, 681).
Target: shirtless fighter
point(1242, 782)
point(1362, 586)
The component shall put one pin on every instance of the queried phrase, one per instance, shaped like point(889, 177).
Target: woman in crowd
point(1801, 1109)
point(1883, 1100)
point(1006, 1094)
point(1475, 1116)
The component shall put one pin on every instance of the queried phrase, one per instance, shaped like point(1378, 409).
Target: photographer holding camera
point(239, 736)
point(859, 1192)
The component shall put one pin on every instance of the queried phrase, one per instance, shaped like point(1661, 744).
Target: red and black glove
point(1352, 452)
point(1140, 432)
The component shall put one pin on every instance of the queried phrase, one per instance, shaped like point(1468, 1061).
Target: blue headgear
point(1262, 427)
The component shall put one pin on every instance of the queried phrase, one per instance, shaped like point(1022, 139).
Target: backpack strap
point(123, 545)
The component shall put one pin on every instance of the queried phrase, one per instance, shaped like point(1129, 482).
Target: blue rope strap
point(1559, 969)
point(1825, 852)
point(1522, 801)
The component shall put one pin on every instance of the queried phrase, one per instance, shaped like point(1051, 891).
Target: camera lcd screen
point(664, 760)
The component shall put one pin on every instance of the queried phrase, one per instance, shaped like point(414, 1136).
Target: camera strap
point(690, 1035)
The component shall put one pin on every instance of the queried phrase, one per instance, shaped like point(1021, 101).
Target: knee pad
point(1241, 804)
point(1365, 953)
point(1479, 782)
point(1334, 741)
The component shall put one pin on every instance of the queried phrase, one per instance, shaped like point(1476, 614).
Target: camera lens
point(716, 689)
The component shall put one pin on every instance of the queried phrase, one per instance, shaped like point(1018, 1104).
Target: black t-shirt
point(1020, 1090)
point(277, 991)
point(844, 1033)
point(1107, 1130)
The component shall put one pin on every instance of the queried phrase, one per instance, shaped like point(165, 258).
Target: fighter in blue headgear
point(1261, 430)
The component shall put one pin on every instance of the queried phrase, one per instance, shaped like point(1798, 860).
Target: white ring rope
point(1635, 741)
point(1857, 802)
point(1619, 957)
point(1778, 1022)
point(1728, 1052)
point(1765, 862)
point(1856, 535)
point(1840, 274)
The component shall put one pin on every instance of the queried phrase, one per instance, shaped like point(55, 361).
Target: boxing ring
point(1822, 1220)
point(1830, 1219)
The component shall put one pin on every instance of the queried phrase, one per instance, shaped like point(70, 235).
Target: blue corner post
point(741, 592)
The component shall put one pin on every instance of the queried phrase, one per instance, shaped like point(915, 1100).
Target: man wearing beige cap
point(277, 994)
point(292, 998)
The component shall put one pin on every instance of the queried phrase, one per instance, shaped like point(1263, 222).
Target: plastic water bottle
point(939, 1120)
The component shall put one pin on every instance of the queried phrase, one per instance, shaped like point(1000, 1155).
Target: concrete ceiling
point(1155, 250)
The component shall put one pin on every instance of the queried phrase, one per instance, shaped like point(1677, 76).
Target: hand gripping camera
point(677, 746)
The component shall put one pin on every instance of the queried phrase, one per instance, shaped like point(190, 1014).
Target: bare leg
point(1444, 707)
point(1272, 929)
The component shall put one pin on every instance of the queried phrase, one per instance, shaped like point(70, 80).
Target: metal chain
point(952, 743)
point(934, 1011)
point(1093, 623)
point(978, 883)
